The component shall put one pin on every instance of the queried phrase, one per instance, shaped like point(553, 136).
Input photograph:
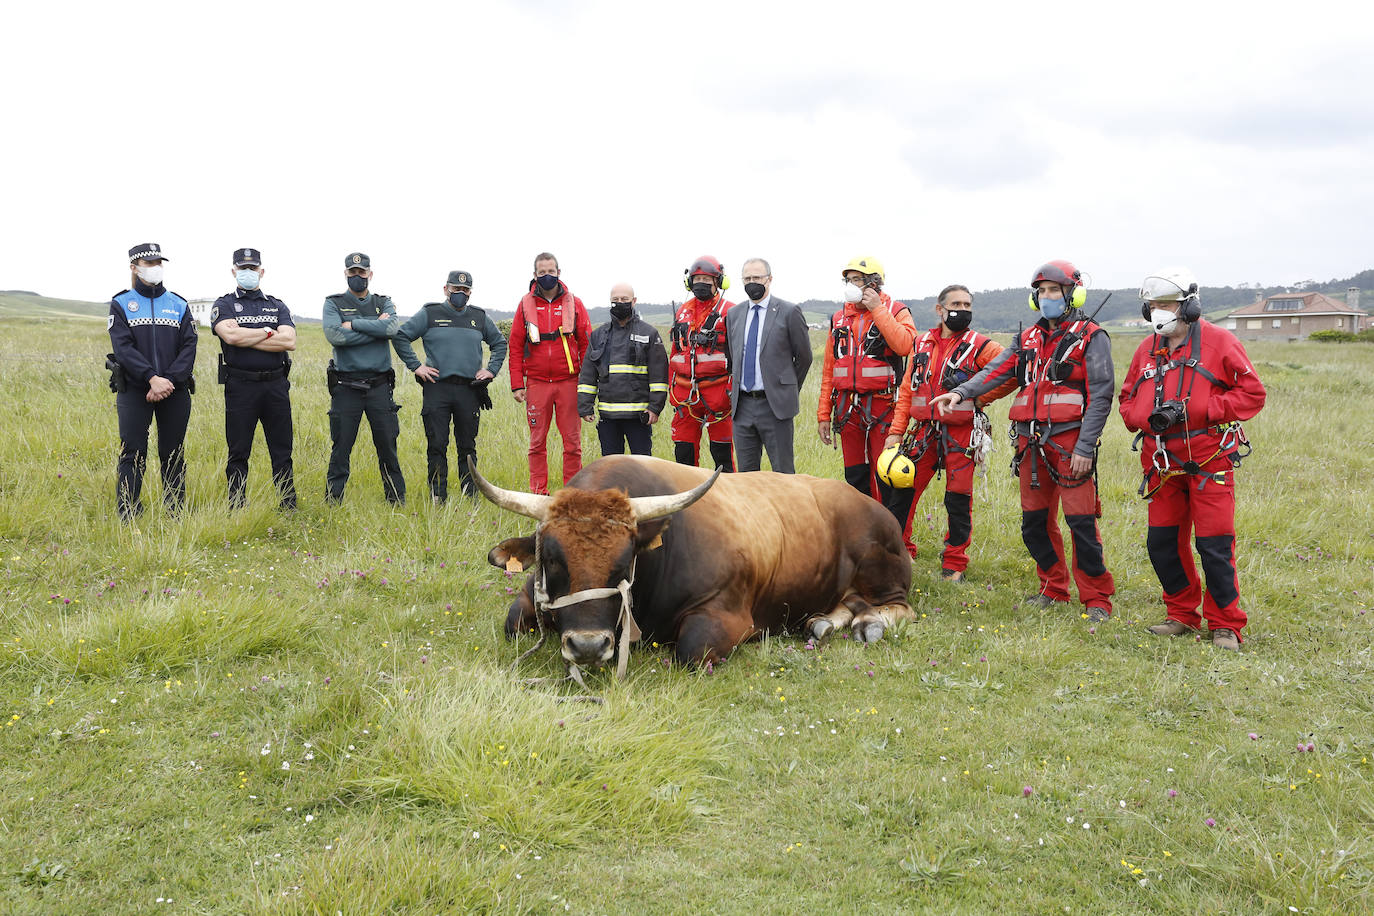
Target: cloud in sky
point(959, 145)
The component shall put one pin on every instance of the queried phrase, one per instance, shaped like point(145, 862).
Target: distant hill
point(25, 304)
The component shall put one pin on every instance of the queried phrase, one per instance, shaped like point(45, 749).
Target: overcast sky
point(955, 142)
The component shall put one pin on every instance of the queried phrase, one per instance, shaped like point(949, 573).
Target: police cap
point(357, 259)
point(247, 257)
point(148, 251)
point(460, 278)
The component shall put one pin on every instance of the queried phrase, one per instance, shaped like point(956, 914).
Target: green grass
point(316, 713)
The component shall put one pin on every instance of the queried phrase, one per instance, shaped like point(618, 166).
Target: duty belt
point(246, 376)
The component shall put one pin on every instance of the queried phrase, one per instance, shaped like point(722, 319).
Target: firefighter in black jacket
point(624, 378)
point(153, 337)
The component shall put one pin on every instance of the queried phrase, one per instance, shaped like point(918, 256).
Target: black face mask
point(755, 291)
point(622, 310)
point(958, 321)
point(703, 291)
point(548, 282)
point(458, 300)
point(357, 284)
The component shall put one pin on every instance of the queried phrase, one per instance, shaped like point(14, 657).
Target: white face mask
point(1164, 321)
point(247, 279)
point(150, 275)
point(852, 293)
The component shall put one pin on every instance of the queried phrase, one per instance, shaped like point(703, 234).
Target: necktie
point(751, 348)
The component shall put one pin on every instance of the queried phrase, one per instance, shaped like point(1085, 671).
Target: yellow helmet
point(895, 469)
point(866, 266)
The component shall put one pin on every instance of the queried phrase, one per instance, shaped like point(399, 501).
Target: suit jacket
point(784, 353)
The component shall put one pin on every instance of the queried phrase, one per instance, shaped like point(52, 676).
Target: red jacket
point(850, 369)
point(555, 356)
point(1220, 388)
point(1045, 397)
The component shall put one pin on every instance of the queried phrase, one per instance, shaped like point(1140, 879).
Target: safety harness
point(1164, 464)
point(686, 339)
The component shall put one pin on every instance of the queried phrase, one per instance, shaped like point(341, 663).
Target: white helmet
point(1169, 284)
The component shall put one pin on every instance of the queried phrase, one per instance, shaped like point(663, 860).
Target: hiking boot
point(1225, 639)
point(1096, 614)
point(1171, 627)
point(1039, 600)
point(952, 575)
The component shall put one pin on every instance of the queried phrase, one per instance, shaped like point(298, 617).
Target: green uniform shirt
point(367, 346)
point(453, 340)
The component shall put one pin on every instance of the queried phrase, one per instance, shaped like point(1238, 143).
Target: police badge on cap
point(460, 278)
point(148, 251)
point(357, 259)
point(247, 257)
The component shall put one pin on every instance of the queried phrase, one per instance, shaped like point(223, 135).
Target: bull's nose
point(586, 646)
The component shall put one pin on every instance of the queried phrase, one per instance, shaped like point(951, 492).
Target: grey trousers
point(756, 429)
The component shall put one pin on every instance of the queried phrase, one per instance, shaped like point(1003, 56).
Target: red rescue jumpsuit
point(546, 364)
point(1189, 467)
point(936, 442)
point(699, 382)
point(858, 380)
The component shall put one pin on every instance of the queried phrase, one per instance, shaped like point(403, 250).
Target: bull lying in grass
point(701, 561)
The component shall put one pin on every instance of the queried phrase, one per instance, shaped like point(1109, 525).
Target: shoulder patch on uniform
point(109, 322)
point(214, 314)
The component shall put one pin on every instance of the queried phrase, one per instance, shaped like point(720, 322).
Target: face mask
point(247, 279)
point(958, 320)
point(150, 275)
point(703, 291)
point(548, 282)
point(852, 293)
point(1053, 309)
point(1165, 322)
point(357, 284)
point(755, 291)
point(458, 300)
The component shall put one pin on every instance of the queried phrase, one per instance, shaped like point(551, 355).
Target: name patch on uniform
point(639, 338)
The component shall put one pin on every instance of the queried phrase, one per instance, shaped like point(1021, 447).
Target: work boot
point(1171, 627)
point(1225, 639)
point(952, 575)
point(1096, 614)
point(1039, 600)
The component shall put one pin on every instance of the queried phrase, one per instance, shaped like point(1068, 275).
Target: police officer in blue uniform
point(361, 326)
point(256, 333)
point(454, 377)
point(153, 337)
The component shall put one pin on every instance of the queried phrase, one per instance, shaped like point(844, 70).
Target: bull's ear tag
point(657, 542)
point(514, 565)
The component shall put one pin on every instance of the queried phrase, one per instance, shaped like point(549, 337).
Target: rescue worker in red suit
point(1189, 386)
point(943, 358)
point(1063, 367)
point(547, 341)
point(699, 370)
point(869, 339)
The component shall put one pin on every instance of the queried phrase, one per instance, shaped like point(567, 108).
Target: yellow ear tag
point(657, 542)
point(514, 565)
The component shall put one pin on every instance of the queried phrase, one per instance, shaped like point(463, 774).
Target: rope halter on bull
point(536, 506)
point(625, 623)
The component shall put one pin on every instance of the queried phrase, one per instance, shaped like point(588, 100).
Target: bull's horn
point(651, 507)
point(535, 505)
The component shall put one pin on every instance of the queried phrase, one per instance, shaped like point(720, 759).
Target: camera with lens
point(1168, 414)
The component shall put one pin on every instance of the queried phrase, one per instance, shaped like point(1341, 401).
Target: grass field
point(315, 713)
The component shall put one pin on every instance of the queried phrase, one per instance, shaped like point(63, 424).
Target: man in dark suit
point(770, 353)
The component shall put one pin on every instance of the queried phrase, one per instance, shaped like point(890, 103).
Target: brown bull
point(707, 563)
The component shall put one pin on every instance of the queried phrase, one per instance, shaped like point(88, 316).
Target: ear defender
point(1034, 300)
point(724, 281)
point(1190, 309)
point(1080, 297)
